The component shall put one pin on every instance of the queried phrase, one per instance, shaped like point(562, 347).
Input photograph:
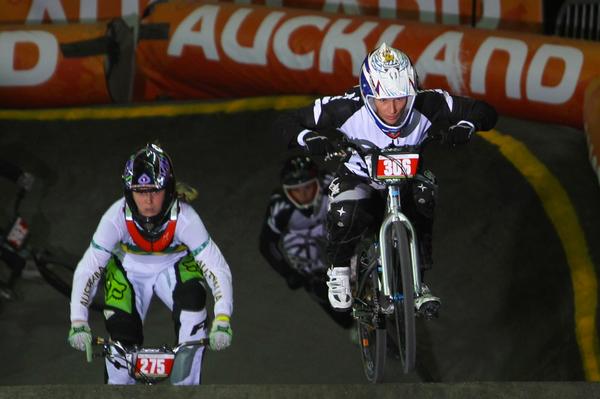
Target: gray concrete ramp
point(530, 390)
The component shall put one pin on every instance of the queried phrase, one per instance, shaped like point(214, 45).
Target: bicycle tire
point(59, 275)
point(372, 334)
point(403, 284)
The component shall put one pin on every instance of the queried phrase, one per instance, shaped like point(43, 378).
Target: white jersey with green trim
point(112, 238)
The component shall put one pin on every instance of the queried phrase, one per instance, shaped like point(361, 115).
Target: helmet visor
point(303, 195)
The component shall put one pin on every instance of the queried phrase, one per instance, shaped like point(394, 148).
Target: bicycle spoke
point(371, 326)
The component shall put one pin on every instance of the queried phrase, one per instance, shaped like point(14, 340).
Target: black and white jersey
point(349, 115)
point(288, 229)
point(283, 217)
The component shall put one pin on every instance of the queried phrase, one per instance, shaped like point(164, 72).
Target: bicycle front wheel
point(404, 298)
point(370, 323)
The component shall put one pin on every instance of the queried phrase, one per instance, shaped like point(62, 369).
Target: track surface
point(508, 310)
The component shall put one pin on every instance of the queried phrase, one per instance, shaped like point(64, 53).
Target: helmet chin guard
point(162, 237)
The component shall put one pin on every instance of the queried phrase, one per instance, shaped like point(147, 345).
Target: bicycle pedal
point(429, 310)
point(386, 306)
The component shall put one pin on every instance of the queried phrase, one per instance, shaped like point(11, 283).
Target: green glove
point(80, 338)
point(220, 333)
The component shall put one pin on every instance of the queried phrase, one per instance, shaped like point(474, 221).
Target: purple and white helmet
point(149, 169)
point(388, 73)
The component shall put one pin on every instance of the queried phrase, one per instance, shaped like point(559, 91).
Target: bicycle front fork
point(394, 215)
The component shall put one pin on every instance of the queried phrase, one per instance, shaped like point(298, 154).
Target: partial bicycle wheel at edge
point(403, 318)
point(59, 275)
point(370, 324)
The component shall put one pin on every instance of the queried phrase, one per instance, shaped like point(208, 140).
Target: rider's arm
point(209, 257)
point(325, 114)
point(276, 221)
point(109, 232)
point(10, 171)
point(440, 106)
point(16, 175)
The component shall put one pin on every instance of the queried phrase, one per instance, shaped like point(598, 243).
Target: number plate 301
point(154, 365)
point(397, 166)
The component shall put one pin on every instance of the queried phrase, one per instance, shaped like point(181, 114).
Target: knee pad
point(189, 295)
point(424, 192)
point(347, 223)
point(124, 327)
point(342, 224)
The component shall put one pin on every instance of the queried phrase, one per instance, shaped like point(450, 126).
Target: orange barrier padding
point(225, 50)
point(60, 11)
point(34, 71)
point(522, 15)
point(591, 118)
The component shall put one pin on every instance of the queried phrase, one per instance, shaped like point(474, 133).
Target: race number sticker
point(397, 166)
point(154, 365)
point(18, 233)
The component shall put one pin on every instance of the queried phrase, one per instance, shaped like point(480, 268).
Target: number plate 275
point(154, 365)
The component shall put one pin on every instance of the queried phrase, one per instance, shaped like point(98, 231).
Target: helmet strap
point(166, 237)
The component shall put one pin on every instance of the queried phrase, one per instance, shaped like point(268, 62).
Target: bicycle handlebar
point(101, 341)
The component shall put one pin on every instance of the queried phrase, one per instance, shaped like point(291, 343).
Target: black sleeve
point(10, 171)
point(269, 249)
point(275, 223)
point(325, 115)
point(446, 110)
point(478, 112)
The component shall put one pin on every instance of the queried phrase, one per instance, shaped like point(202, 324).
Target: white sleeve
point(210, 259)
point(90, 267)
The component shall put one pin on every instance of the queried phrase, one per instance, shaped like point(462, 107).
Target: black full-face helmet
point(150, 169)
point(301, 174)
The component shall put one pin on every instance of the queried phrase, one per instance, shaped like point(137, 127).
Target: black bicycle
point(16, 252)
point(387, 285)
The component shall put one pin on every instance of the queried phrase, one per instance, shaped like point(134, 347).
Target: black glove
point(460, 133)
point(294, 280)
point(318, 145)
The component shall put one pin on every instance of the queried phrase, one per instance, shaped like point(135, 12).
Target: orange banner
point(524, 15)
point(41, 66)
point(60, 11)
point(591, 118)
point(225, 50)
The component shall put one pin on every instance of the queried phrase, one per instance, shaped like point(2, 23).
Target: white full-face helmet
point(388, 73)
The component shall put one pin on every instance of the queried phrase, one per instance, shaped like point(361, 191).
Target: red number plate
point(397, 166)
point(154, 365)
point(17, 233)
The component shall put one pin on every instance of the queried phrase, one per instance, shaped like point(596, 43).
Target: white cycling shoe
point(340, 293)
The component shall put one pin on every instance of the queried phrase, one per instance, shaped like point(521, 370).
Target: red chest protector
point(165, 239)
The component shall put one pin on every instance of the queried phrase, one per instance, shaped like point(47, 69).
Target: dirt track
point(508, 312)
